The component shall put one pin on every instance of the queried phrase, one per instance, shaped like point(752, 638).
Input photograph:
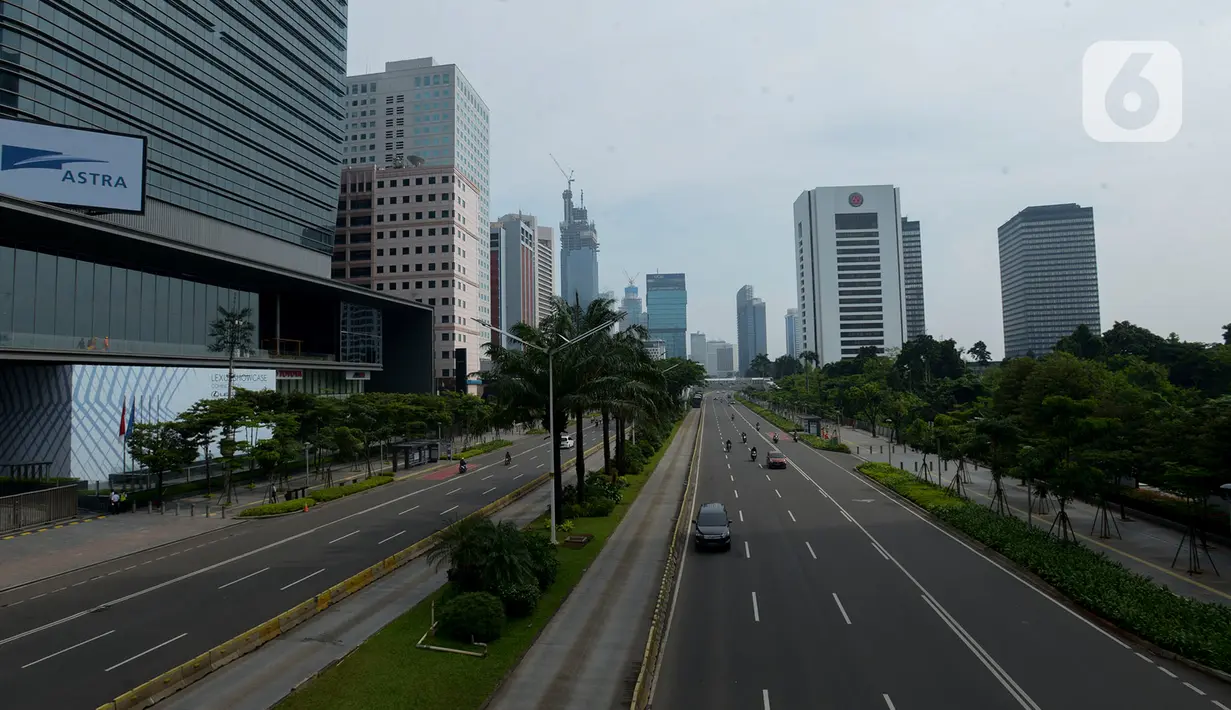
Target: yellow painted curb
point(676, 548)
point(180, 677)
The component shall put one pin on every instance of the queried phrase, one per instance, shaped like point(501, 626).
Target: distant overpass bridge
point(739, 383)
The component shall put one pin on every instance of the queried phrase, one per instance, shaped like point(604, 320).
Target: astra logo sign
point(59, 165)
point(17, 157)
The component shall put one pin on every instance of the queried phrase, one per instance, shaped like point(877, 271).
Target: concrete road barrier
point(168, 683)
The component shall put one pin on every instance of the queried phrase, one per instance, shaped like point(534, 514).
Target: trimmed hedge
point(325, 495)
point(1197, 630)
point(477, 616)
point(286, 506)
point(785, 425)
point(485, 448)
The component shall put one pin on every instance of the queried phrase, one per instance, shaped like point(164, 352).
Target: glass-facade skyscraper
point(1048, 277)
point(240, 103)
point(666, 305)
point(750, 328)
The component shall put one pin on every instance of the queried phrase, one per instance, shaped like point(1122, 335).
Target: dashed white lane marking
point(518, 476)
point(149, 650)
point(450, 510)
point(486, 477)
point(736, 493)
point(1194, 688)
point(793, 520)
point(756, 611)
point(747, 550)
point(66, 650)
point(1144, 657)
point(301, 579)
point(810, 550)
point(888, 702)
point(776, 491)
point(489, 490)
point(408, 510)
point(1165, 670)
point(455, 490)
point(765, 698)
point(396, 534)
point(237, 581)
point(841, 608)
point(741, 516)
point(336, 539)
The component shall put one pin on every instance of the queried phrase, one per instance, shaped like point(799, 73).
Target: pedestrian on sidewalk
point(124, 502)
point(115, 503)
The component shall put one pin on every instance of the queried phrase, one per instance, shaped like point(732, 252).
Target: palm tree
point(231, 333)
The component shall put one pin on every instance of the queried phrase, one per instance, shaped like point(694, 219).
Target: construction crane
point(632, 280)
point(568, 176)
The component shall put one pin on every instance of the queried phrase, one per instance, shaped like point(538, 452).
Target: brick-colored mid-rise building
point(415, 233)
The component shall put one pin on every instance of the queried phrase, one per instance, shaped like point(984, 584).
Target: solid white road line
point(455, 490)
point(301, 579)
point(747, 551)
point(489, 490)
point(247, 576)
point(408, 510)
point(486, 477)
point(756, 611)
point(343, 537)
point(793, 520)
point(776, 491)
point(847, 516)
point(880, 549)
point(888, 702)
point(741, 516)
point(148, 650)
point(391, 537)
point(76, 645)
point(841, 608)
point(765, 698)
point(450, 510)
point(988, 662)
point(810, 550)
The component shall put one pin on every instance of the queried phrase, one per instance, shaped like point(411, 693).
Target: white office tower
point(793, 333)
point(720, 359)
point(848, 254)
point(545, 271)
point(698, 351)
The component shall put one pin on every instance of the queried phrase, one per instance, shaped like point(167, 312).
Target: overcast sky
point(693, 126)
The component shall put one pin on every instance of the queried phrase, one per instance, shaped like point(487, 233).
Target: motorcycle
point(743, 437)
point(775, 438)
point(461, 467)
point(754, 453)
point(758, 426)
point(728, 446)
point(508, 458)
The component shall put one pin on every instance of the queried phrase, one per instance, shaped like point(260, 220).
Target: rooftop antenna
point(568, 176)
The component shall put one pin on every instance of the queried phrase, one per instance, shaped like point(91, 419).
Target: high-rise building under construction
point(578, 252)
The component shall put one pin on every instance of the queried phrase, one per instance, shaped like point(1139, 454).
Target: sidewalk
point(588, 656)
point(260, 680)
point(1144, 547)
point(26, 559)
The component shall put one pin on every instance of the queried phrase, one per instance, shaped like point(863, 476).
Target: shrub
point(544, 562)
point(285, 506)
point(597, 508)
point(565, 527)
point(484, 448)
point(536, 431)
point(519, 599)
point(473, 616)
point(568, 511)
point(1198, 630)
point(325, 495)
point(817, 442)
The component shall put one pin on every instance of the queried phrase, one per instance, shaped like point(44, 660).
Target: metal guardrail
point(677, 547)
point(37, 507)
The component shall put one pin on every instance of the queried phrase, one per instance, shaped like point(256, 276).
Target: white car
point(566, 442)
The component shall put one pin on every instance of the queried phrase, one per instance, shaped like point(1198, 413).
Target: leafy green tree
point(760, 367)
point(159, 448)
point(980, 353)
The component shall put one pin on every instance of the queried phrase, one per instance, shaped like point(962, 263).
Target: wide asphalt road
point(835, 596)
point(79, 640)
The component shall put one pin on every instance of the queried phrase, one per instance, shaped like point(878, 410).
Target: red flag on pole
point(123, 417)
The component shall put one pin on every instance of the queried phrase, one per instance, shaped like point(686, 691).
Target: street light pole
point(551, 395)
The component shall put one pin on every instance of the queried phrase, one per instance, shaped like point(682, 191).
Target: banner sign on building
point(72, 167)
point(357, 375)
point(290, 374)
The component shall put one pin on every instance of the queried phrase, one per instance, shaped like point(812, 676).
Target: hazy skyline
point(692, 129)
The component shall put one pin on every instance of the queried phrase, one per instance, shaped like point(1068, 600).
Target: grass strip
point(484, 448)
point(1197, 630)
point(285, 506)
point(786, 425)
point(324, 495)
point(387, 671)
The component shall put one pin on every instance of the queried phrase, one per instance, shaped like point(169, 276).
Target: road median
point(166, 684)
point(1196, 632)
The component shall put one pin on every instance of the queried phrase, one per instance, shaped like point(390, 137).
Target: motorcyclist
point(461, 466)
point(508, 458)
point(795, 436)
point(728, 444)
point(758, 426)
point(775, 437)
point(754, 453)
point(743, 437)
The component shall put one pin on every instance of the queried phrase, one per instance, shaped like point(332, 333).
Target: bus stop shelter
point(416, 453)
